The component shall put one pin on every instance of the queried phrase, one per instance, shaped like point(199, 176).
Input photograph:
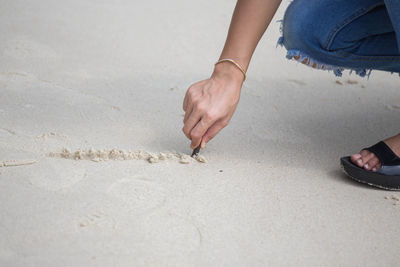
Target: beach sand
point(99, 75)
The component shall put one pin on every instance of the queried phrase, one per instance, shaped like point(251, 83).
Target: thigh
point(393, 8)
point(323, 19)
point(355, 34)
point(370, 34)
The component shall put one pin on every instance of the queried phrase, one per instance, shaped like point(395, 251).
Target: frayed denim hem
point(309, 61)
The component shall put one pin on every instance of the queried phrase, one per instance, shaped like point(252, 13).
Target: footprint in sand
point(298, 82)
point(393, 107)
point(96, 219)
point(55, 174)
point(137, 194)
point(6, 132)
point(23, 47)
point(52, 135)
point(175, 232)
point(6, 255)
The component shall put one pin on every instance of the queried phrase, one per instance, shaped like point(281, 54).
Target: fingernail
point(359, 161)
point(366, 166)
point(374, 169)
point(203, 144)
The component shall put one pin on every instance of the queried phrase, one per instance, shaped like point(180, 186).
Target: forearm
point(249, 22)
point(210, 104)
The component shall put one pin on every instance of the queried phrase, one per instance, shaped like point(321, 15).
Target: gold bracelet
point(234, 63)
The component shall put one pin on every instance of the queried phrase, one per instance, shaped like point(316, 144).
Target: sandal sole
point(387, 182)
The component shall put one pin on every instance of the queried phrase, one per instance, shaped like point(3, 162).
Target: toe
point(378, 166)
point(357, 159)
point(372, 163)
point(366, 156)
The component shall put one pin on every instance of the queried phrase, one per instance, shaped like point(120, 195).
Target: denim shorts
point(360, 35)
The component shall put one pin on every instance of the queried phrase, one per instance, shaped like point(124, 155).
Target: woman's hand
point(210, 104)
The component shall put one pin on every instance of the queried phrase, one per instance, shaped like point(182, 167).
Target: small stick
point(196, 151)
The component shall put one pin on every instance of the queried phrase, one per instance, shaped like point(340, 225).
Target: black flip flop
point(387, 177)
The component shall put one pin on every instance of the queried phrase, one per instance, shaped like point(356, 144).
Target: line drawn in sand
point(115, 154)
point(14, 163)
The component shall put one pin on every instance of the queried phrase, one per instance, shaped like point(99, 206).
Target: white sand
point(82, 74)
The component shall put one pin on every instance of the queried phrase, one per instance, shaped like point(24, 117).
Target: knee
point(301, 25)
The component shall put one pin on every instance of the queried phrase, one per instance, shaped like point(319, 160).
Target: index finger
point(185, 100)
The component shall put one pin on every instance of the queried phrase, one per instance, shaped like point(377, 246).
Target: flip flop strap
point(385, 155)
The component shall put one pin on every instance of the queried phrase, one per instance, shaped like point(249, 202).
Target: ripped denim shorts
point(359, 35)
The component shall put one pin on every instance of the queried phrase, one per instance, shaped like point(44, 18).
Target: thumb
point(212, 132)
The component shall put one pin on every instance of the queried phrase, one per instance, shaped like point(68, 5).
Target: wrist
point(227, 70)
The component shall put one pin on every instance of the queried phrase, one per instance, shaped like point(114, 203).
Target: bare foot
point(369, 161)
